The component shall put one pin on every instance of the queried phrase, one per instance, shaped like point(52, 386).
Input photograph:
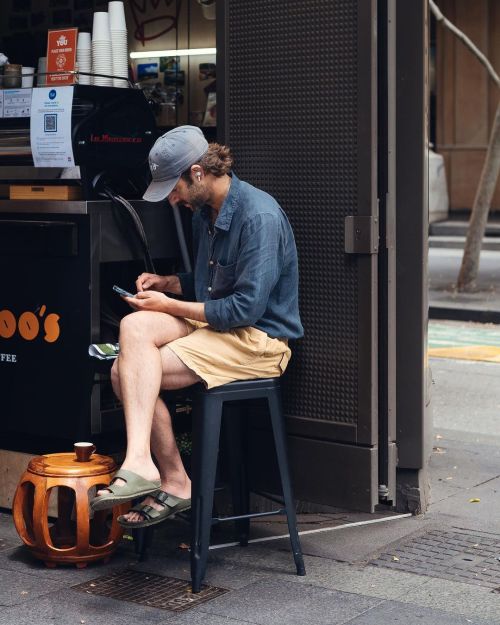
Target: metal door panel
point(297, 96)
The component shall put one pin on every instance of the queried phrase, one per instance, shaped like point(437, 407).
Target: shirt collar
point(230, 204)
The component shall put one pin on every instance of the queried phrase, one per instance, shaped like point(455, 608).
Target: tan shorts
point(238, 354)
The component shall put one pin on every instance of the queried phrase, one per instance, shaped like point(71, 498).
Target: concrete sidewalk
point(440, 568)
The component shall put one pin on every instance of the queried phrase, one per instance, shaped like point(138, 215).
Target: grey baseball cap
point(171, 155)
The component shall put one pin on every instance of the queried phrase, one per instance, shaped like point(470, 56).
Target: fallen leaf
point(395, 559)
point(24, 592)
point(183, 546)
point(448, 478)
point(439, 450)
point(474, 500)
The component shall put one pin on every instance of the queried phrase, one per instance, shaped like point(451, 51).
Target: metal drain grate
point(148, 589)
point(465, 556)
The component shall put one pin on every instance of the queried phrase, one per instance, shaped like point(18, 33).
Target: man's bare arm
point(159, 302)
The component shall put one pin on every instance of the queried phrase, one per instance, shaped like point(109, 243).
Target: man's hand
point(153, 282)
point(159, 302)
point(152, 300)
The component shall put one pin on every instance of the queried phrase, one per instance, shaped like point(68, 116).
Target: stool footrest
point(252, 515)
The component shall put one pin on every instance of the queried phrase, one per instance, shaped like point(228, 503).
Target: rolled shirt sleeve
point(258, 267)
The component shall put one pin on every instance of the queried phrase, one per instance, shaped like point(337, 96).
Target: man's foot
point(151, 474)
point(169, 506)
point(133, 487)
point(183, 493)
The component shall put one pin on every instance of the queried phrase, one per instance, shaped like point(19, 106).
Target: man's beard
point(197, 196)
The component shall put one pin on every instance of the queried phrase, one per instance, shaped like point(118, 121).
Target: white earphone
point(198, 175)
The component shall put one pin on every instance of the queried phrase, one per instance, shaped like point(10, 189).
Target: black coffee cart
point(59, 260)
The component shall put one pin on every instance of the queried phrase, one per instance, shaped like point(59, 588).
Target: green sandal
point(171, 506)
point(135, 486)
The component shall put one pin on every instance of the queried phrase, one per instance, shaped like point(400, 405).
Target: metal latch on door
point(361, 234)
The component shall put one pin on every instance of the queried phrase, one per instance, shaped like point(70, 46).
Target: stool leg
point(143, 539)
point(234, 429)
point(206, 430)
point(278, 423)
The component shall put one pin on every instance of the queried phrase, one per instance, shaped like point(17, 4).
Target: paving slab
point(277, 602)
point(466, 397)
point(396, 612)
point(459, 466)
point(202, 618)
point(358, 544)
point(465, 509)
point(361, 579)
point(20, 560)
point(220, 572)
point(473, 602)
point(17, 588)
point(68, 607)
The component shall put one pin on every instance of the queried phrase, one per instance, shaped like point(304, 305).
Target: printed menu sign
point(16, 103)
point(61, 56)
point(50, 131)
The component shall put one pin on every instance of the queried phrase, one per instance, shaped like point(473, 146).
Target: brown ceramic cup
point(83, 451)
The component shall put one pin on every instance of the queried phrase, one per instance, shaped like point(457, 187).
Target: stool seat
point(242, 386)
point(66, 464)
point(74, 537)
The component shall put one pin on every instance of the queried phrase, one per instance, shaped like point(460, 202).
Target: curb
point(461, 314)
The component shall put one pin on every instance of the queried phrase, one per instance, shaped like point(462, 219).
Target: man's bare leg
point(174, 479)
point(140, 378)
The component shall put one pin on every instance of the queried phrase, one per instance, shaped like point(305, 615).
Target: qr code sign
point(50, 122)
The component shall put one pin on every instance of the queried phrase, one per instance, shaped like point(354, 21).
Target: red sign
point(61, 56)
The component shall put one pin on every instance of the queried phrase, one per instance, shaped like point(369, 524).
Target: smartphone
point(120, 291)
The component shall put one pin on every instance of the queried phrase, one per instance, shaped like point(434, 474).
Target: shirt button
point(209, 289)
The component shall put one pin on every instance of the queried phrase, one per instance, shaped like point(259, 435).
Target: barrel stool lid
point(66, 464)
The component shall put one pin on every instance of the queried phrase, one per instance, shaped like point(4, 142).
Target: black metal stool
point(208, 406)
point(207, 413)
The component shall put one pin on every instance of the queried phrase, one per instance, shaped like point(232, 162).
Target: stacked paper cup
point(41, 79)
point(102, 59)
point(84, 57)
point(118, 30)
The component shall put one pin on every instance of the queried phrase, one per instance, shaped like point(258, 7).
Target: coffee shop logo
point(52, 94)
point(62, 41)
point(107, 138)
point(30, 326)
point(61, 60)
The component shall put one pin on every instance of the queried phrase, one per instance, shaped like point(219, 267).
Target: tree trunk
point(479, 216)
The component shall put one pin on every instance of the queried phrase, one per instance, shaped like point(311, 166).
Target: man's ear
point(196, 172)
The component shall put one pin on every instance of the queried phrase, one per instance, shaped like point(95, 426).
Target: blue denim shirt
point(245, 266)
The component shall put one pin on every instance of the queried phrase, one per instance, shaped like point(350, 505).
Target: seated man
point(240, 308)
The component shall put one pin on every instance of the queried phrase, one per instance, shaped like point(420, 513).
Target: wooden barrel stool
point(73, 538)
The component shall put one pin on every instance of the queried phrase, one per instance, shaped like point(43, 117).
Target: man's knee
point(156, 327)
point(143, 321)
point(134, 323)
